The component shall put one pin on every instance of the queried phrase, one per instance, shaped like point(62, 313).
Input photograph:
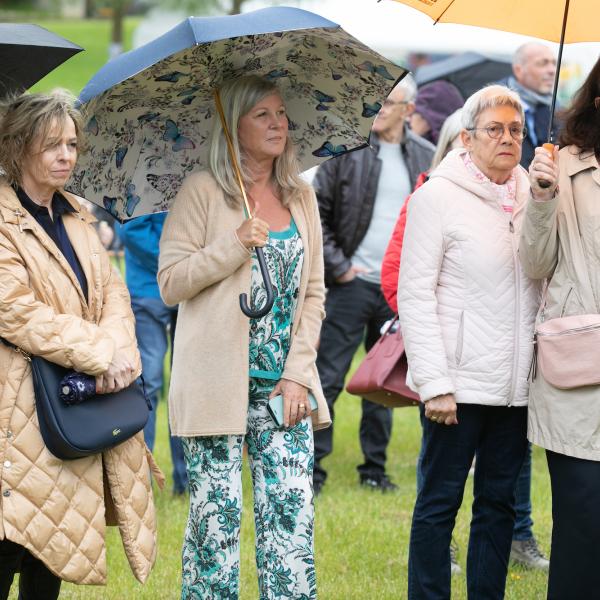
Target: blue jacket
point(140, 237)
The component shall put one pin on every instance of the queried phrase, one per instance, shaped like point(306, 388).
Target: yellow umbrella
point(536, 18)
point(552, 20)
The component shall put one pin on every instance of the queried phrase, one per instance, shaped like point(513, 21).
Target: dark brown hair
point(582, 119)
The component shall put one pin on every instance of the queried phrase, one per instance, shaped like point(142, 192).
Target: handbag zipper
point(568, 331)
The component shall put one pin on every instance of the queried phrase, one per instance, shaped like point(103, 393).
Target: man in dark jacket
point(534, 68)
point(360, 195)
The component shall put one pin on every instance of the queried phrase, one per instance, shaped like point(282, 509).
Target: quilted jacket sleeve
point(186, 265)
point(422, 257)
point(38, 329)
point(303, 350)
point(538, 248)
point(117, 318)
point(325, 183)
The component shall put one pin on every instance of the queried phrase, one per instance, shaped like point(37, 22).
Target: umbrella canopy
point(535, 18)
point(553, 20)
point(469, 71)
point(28, 53)
point(150, 111)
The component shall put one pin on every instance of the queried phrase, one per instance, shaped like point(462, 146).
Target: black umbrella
point(28, 53)
point(469, 71)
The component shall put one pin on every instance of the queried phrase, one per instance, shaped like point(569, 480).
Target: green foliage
point(94, 36)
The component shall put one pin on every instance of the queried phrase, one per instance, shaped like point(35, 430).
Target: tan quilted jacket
point(57, 509)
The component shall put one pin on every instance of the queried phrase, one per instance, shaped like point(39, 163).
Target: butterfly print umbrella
point(150, 111)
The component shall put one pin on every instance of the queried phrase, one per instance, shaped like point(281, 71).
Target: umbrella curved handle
point(255, 313)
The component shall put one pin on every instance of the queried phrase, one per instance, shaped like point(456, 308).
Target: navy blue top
point(56, 229)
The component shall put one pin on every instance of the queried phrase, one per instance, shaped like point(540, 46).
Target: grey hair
point(450, 130)
point(238, 96)
point(409, 87)
point(490, 96)
point(522, 52)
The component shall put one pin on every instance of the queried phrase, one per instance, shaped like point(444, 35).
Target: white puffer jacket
point(466, 308)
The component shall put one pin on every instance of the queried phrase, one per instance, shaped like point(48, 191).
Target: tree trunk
point(236, 7)
point(116, 41)
point(90, 8)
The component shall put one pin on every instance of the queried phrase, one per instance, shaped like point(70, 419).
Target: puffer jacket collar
point(454, 169)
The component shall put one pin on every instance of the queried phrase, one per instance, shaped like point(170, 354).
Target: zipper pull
point(511, 226)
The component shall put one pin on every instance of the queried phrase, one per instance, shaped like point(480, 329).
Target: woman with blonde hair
point(60, 299)
point(226, 367)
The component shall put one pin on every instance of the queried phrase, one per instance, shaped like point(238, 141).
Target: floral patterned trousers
point(281, 462)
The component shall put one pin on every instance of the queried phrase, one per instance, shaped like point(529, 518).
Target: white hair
point(408, 86)
point(448, 133)
point(490, 96)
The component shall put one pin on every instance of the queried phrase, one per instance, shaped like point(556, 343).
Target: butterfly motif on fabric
point(173, 77)
point(147, 117)
point(110, 205)
point(120, 156)
point(329, 150)
point(323, 99)
point(370, 110)
point(276, 74)
point(380, 70)
point(172, 134)
point(92, 126)
point(164, 183)
point(132, 199)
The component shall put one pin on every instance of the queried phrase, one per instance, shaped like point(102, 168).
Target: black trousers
point(355, 311)
point(36, 581)
point(575, 553)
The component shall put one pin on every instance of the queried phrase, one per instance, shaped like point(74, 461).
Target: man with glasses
point(534, 69)
point(360, 195)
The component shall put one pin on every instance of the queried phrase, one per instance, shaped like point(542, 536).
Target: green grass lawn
point(94, 36)
point(361, 536)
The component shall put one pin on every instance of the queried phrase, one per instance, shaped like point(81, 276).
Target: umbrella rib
point(443, 12)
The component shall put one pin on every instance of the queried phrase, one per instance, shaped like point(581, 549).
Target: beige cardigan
point(204, 268)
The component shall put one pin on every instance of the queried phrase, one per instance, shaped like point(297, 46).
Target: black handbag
point(76, 430)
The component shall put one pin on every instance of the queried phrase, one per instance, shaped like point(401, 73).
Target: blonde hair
point(448, 133)
point(28, 118)
point(238, 97)
point(490, 96)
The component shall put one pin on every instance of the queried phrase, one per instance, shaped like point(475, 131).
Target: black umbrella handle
point(254, 313)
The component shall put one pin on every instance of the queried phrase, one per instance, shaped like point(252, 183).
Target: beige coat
point(204, 268)
point(58, 509)
point(561, 241)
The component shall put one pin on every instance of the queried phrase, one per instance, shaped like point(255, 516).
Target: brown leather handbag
point(381, 376)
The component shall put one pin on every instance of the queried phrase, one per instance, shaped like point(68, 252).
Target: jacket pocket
point(459, 339)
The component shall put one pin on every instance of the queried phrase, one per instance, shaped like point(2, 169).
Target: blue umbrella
point(150, 111)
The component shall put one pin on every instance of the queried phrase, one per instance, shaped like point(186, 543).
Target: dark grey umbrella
point(28, 53)
point(469, 71)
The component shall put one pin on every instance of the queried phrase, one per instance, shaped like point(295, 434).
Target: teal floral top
point(270, 335)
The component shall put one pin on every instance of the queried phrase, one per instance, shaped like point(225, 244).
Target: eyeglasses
point(496, 131)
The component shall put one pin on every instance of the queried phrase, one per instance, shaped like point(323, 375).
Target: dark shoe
point(454, 566)
point(381, 483)
point(527, 553)
point(318, 487)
